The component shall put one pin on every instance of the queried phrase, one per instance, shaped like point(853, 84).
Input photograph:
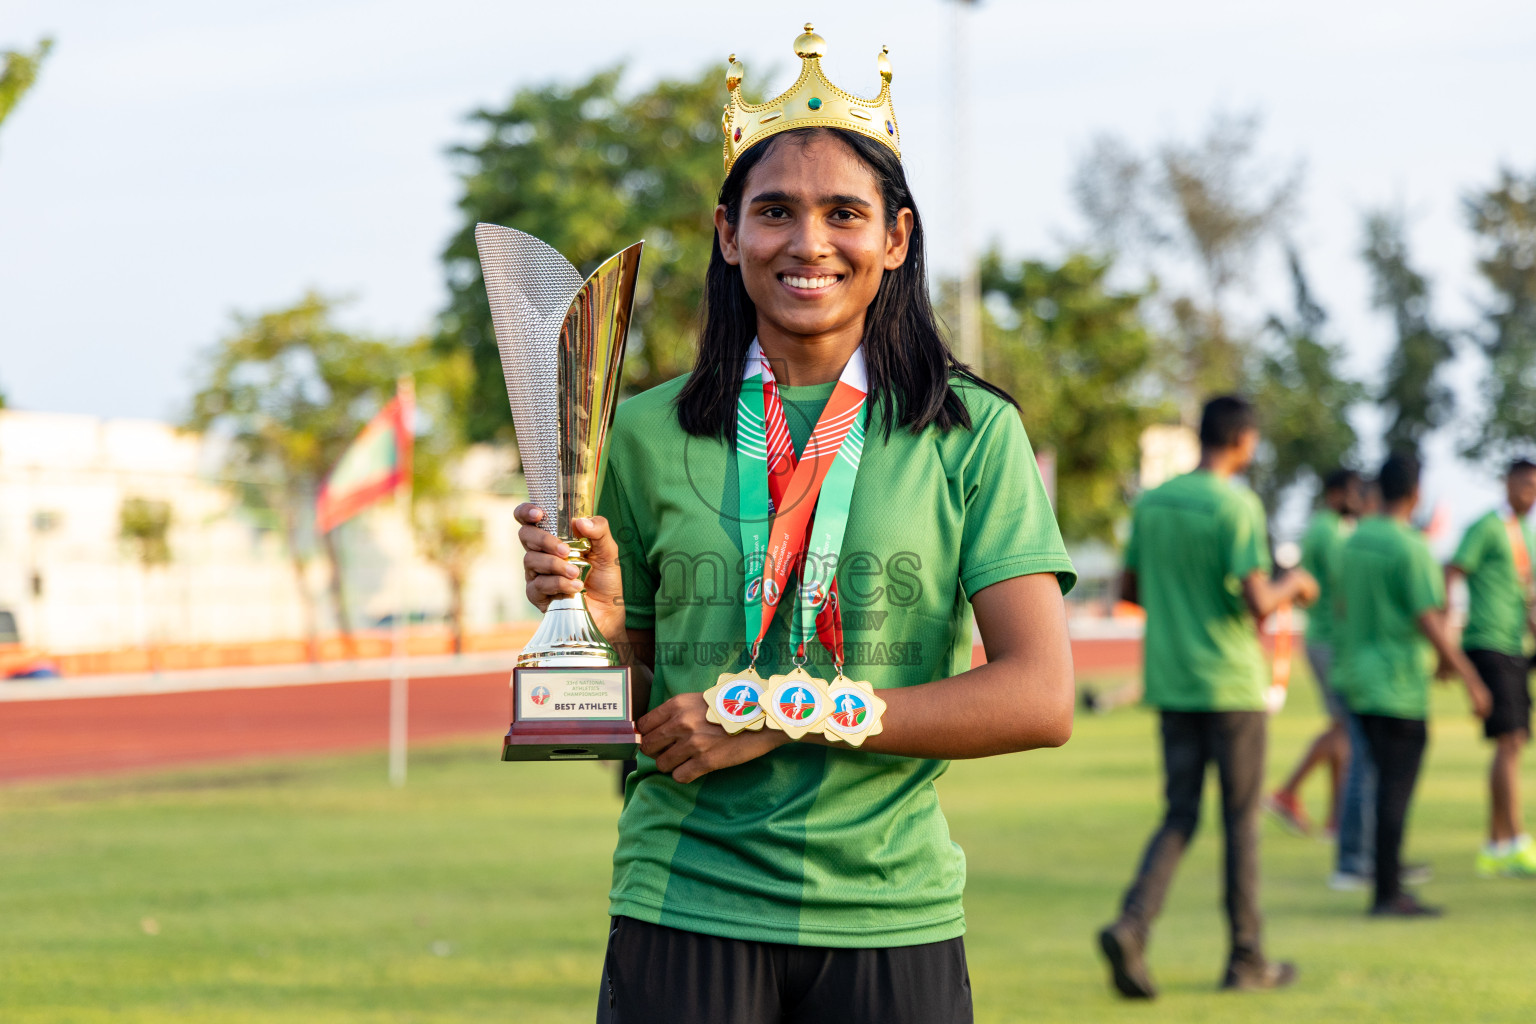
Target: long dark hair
point(909, 363)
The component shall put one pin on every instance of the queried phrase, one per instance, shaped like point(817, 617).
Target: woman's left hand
point(686, 745)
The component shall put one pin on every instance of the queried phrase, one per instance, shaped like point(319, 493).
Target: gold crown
point(812, 101)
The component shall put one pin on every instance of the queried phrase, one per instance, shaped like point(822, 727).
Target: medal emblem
point(854, 713)
point(797, 703)
point(735, 702)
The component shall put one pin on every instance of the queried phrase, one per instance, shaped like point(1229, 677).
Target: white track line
point(256, 677)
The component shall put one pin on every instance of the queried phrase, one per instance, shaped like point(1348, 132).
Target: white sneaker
point(1349, 881)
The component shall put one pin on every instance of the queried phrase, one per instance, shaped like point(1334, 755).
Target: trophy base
point(577, 713)
point(524, 743)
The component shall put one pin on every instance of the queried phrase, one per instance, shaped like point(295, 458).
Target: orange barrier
point(1089, 654)
point(419, 641)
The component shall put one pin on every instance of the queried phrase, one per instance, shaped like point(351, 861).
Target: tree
point(1197, 214)
point(1303, 398)
point(288, 392)
point(144, 524)
point(18, 73)
point(447, 532)
point(1076, 356)
point(1414, 388)
point(1503, 218)
point(590, 172)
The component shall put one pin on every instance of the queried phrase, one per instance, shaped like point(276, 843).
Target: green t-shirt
point(1383, 664)
point(1496, 616)
point(810, 845)
point(1320, 547)
point(1193, 540)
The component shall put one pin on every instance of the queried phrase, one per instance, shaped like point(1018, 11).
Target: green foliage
point(288, 392)
point(307, 890)
point(590, 171)
point(1196, 214)
point(447, 533)
point(1415, 387)
point(1303, 398)
point(1503, 218)
point(1076, 355)
point(145, 524)
point(1225, 210)
point(18, 73)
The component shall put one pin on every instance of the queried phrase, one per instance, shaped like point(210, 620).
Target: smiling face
point(812, 243)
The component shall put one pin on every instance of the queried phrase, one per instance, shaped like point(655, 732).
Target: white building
point(75, 585)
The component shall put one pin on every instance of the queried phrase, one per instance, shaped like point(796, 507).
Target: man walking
point(1198, 562)
point(1343, 495)
point(1495, 558)
point(1394, 622)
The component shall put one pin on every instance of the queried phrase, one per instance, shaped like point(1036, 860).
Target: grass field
point(307, 890)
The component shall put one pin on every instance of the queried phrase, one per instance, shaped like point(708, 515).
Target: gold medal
point(855, 713)
point(796, 703)
point(735, 702)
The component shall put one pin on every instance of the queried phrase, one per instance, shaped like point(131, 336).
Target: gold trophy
point(562, 348)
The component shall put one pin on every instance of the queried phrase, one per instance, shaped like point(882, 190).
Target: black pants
point(1397, 748)
point(659, 975)
point(1234, 740)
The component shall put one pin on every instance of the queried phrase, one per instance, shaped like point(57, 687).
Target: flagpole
point(399, 683)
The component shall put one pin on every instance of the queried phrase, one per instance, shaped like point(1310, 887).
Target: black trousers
point(1397, 749)
point(1235, 741)
point(659, 975)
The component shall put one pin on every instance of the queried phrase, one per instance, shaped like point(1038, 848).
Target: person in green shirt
point(760, 878)
point(1495, 558)
point(1198, 561)
point(1343, 496)
point(1393, 623)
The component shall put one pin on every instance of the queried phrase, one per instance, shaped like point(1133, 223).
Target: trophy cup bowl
point(561, 341)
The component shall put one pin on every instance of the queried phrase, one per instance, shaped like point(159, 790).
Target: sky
point(182, 162)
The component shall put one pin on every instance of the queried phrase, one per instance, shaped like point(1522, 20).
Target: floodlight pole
point(970, 283)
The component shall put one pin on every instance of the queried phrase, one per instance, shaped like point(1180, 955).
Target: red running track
point(103, 735)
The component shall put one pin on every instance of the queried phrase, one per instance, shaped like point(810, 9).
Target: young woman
point(761, 877)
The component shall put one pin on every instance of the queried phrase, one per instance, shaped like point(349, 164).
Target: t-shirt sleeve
point(1474, 545)
point(1010, 529)
point(634, 564)
point(1424, 586)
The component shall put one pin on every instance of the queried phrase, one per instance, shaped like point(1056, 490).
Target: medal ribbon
point(780, 497)
point(1521, 553)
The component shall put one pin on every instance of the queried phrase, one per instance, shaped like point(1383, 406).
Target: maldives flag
point(377, 462)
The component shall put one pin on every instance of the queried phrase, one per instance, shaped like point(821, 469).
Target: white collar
point(854, 373)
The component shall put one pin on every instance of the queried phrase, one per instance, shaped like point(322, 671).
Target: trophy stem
point(568, 638)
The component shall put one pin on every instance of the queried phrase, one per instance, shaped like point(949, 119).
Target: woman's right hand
point(550, 575)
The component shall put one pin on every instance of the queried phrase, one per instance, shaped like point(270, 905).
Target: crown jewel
point(811, 102)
